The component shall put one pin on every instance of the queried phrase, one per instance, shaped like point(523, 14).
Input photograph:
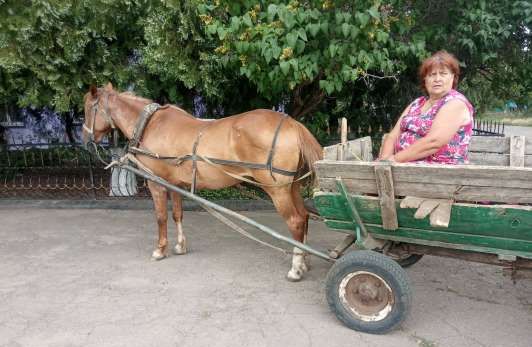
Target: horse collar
point(144, 118)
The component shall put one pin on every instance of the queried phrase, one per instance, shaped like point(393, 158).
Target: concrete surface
point(83, 277)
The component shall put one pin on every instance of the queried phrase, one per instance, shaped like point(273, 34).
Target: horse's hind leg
point(284, 203)
point(160, 199)
point(177, 213)
point(301, 209)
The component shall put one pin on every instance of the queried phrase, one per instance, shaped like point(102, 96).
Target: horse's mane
point(134, 96)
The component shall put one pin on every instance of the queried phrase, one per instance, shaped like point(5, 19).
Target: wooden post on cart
point(343, 139)
point(342, 147)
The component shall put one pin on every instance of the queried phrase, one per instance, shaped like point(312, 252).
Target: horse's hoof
point(294, 275)
point(180, 250)
point(157, 255)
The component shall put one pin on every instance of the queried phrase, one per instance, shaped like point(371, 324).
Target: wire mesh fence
point(54, 171)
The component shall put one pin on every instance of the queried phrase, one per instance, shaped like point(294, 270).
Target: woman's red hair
point(437, 60)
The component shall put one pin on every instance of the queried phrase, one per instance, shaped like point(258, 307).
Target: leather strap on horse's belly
point(176, 161)
point(256, 166)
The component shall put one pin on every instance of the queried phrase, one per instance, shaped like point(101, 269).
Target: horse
point(253, 138)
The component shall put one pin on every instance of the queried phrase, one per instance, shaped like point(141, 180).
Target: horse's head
point(98, 121)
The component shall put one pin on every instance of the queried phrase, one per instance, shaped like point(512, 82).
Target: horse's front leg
point(160, 199)
point(177, 213)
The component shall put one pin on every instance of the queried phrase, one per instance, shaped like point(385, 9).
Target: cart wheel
point(368, 292)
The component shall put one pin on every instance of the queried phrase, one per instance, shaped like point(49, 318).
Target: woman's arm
point(447, 122)
point(387, 148)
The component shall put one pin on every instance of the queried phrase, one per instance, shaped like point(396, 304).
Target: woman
point(437, 128)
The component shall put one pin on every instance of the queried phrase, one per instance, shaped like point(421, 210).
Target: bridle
point(106, 116)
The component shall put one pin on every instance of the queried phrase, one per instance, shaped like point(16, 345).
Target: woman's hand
point(387, 148)
point(387, 158)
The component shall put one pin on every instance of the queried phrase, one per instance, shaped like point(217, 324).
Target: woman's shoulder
point(456, 95)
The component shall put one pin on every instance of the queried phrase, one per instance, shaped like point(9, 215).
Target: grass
point(509, 118)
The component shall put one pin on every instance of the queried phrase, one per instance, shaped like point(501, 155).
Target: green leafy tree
point(322, 59)
point(51, 50)
point(491, 38)
point(305, 51)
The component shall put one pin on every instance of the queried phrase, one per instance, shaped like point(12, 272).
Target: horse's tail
point(310, 150)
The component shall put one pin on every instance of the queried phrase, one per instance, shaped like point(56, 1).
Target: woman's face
point(439, 81)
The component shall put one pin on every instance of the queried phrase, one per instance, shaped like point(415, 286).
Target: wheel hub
point(366, 295)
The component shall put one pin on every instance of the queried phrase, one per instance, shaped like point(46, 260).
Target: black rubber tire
point(385, 269)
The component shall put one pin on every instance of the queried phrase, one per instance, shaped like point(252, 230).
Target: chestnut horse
point(246, 137)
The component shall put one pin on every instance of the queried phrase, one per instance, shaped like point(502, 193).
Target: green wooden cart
point(396, 213)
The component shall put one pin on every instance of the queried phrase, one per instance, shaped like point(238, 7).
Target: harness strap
point(242, 178)
point(269, 164)
point(195, 163)
point(179, 160)
point(144, 118)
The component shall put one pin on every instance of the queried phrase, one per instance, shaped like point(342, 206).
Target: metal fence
point(488, 128)
point(53, 171)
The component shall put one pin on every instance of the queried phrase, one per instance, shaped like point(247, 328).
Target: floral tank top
point(416, 125)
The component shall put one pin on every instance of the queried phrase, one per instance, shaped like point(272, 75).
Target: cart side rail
point(497, 229)
point(469, 183)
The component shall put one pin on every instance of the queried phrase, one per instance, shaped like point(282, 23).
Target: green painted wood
point(471, 219)
point(472, 227)
point(470, 242)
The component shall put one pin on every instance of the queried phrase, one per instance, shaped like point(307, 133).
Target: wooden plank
point(426, 207)
point(330, 152)
point(383, 175)
point(517, 151)
point(495, 159)
point(343, 139)
point(490, 144)
point(441, 239)
point(492, 159)
point(498, 221)
point(441, 216)
point(454, 192)
point(449, 240)
point(359, 149)
point(411, 202)
point(528, 146)
point(432, 174)
point(366, 149)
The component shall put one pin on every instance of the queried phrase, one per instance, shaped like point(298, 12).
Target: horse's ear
point(93, 90)
point(109, 86)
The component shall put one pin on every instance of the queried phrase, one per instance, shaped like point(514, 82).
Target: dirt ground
point(74, 277)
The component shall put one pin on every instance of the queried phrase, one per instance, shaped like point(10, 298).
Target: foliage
point(492, 39)
point(303, 51)
point(50, 51)
point(317, 59)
